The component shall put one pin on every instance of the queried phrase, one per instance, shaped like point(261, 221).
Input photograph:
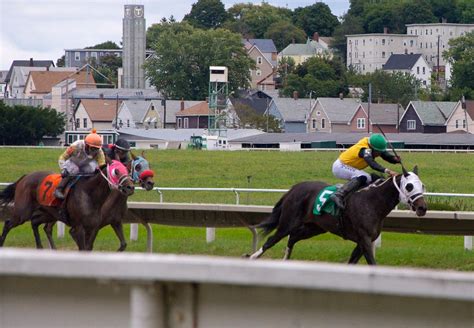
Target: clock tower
point(134, 44)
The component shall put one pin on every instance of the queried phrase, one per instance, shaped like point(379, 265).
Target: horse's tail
point(8, 194)
point(271, 222)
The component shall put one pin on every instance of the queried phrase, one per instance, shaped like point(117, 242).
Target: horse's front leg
point(366, 245)
point(35, 225)
point(48, 230)
point(78, 234)
point(90, 238)
point(118, 228)
point(356, 255)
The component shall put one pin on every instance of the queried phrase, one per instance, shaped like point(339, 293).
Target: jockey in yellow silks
point(350, 165)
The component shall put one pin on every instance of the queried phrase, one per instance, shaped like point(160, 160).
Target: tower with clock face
point(134, 43)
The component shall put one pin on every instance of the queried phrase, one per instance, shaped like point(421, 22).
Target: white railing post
point(133, 232)
point(61, 228)
point(210, 235)
point(468, 243)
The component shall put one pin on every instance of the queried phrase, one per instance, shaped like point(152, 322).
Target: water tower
point(218, 94)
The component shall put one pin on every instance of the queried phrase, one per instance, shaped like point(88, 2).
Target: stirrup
point(338, 200)
point(58, 194)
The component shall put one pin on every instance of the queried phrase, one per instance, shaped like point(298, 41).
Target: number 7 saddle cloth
point(45, 194)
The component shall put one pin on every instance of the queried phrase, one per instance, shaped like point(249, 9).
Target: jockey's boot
point(347, 188)
point(59, 192)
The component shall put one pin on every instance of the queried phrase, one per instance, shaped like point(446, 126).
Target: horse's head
point(411, 191)
point(141, 173)
point(117, 175)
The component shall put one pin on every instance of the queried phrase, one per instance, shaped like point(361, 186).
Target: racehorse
point(115, 206)
point(361, 220)
point(83, 204)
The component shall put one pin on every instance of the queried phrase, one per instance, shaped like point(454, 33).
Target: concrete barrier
point(72, 289)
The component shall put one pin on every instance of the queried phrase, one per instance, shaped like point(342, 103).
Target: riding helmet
point(93, 139)
point(122, 144)
point(378, 142)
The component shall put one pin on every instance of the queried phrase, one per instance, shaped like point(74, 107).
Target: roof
point(401, 61)
point(3, 76)
point(200, 109)
point(292, 110)
point(265, 45)
point(259, 105)
point(28, 63)
point(45, 80)
point(433, 112)
point(100, 110)
point(297, 49)
point(441, 24)
point(470, 108)
point(21, 73)
point(338, 110)
point(383, 34)
point(383, 113)
point(122, 93)
point(137, 108)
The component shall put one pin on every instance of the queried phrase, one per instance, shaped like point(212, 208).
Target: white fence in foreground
point(72, 289)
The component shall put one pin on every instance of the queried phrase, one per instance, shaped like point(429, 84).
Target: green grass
point(444, 172)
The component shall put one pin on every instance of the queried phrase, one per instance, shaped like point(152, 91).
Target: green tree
point(207, 14)
point(447, 9)
point(250, 119)
point(466, 11)
point(461, 56)
point(26, 125)
point(417, 11)
point(316, 18)
point(105, 45)
point(283, 33)
point(180, 68)
point(61, 61)
point(286, 66)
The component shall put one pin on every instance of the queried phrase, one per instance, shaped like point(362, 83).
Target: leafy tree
point(61, 61)
point(286, 66)
point(180, 68)
point(466, 11)
point(207, 14)
point(447, 9)
point(316, 18)
point(26, 125)
point(283, 33)
point(105, 45)
point(461, 55)
point(417, 11)
point(250, 119)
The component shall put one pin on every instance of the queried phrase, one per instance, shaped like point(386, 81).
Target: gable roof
point(28, 63)
point(260, 105)
point(3, 76)
point(470, 108)
point(265, 45)
point(45, 80)
point(383, 113)
point(432, 112)
point(401, 61)
point(338, 110)
point(272, 63)
point(20, 74)
point(292, 110)
point(200, 109)
point(99, 110)
point(137, 108)
point(309, 48)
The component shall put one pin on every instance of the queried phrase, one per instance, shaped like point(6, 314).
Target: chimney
point(31, 62)
point(316, 36)
point(182, 104)
point(341, 96)
point(293, 41)
point(385, 30)
point(444, 20)
point(295, 95)
point(101, 96)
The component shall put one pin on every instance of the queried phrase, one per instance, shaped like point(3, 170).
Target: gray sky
point(42, 29)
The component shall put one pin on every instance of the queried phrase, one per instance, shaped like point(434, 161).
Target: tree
point(26, 125)
point(466, 11)
point(316, 18)
point(349, 25)
point(447, 9)
point(417, 11)
point(207, 14)
point(250, 119)
point(105, 45)
point(180, 68)
point(61, 61)
point(283, 33)
point(461, 56)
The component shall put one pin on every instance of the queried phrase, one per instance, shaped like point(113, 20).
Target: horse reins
point(111, 184)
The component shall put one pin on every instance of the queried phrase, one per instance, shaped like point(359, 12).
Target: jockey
point(82, 156)
point(351, 162)
point(119, 151)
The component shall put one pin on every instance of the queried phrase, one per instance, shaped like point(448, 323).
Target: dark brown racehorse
point(114, 207)
point(361, 221)
point(84, 203)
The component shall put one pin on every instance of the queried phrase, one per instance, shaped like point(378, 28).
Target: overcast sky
point(42, 29)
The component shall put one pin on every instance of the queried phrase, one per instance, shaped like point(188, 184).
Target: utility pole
point(437, 57)
point(368, 107)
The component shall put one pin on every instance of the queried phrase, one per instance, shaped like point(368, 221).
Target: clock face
point(138, 11)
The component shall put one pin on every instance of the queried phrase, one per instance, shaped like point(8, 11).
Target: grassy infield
point(440, 172)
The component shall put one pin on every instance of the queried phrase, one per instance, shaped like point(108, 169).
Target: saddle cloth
point(45, 194)
point(323, 202)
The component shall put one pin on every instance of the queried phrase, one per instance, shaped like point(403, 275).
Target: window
point(363, 54)
point(383, 42)
point(77, 56)
point(424, 70)
point(186, 123)
point(318, 113)
point(463, 124)
point(179, 123)
point(363, 42)
point(128, 123)
point(84, 123)
point(361, 123)
point(78, 123)
point(323, 123)
point(94, 54)
point(314, 124)
point(411, 43)
point(383, 54)
point(457, 124)
point(417, 69)
point(259, 60)
point(411, 125)
point(258, 72)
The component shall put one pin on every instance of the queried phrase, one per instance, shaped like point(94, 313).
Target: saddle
point(45, 194)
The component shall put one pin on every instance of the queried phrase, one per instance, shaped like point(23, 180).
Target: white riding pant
point(346, 172)
point(73, 168)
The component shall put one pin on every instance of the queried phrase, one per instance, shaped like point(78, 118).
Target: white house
point(140, 114)
point(95, 113)
point(461, 118)
point(415, 65)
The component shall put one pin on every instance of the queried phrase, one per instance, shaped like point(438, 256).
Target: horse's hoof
point(245, 256)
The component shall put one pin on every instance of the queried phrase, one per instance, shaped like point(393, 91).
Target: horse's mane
point(376, 184)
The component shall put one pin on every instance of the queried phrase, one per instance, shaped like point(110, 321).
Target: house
point(258, 102)
point(300, 52)
point(426, 116)
point(24, 63)
point(3, 83)
point(461, 119)
point(413, 64)
point(382, 116)
point(264, 53)
point(95, 113)
point(291, 112)
point(40, 83)
point(140, 114)
point(331, 115)
point(80, 57)
point(194, 117)
point(18, 77)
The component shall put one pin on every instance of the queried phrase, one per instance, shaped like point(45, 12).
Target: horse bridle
point(405, 197)
point(112, 185)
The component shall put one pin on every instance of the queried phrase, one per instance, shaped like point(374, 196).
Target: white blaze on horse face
point(410, 186)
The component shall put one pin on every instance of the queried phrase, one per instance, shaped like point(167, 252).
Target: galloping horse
point(115, 206)
point(361, 220)
point(83, 204)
